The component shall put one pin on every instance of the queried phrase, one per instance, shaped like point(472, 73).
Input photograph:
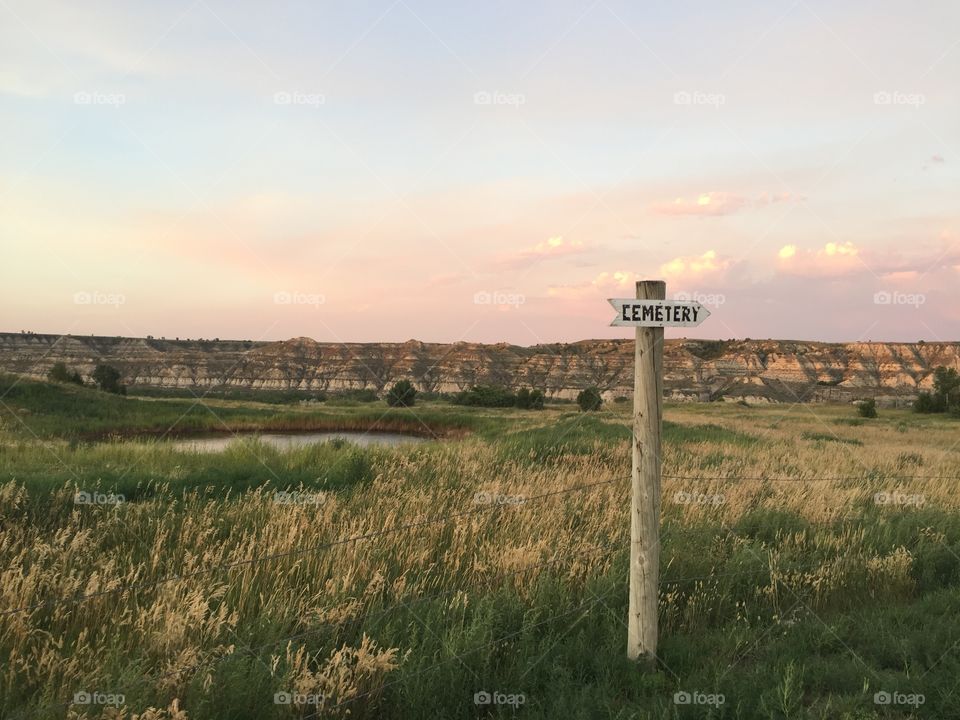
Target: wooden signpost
point(650, 312)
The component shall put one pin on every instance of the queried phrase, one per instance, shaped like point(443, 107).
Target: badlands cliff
point(754, 370)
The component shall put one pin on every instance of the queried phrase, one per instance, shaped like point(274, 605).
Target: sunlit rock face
point(694, 370)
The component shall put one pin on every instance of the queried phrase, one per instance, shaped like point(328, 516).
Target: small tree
point(867, 408)
point(589, 400)
point(59, 373)
point(529, 399)
point(945, 396)
point(107, 379)
point(925, 403)
point(402, 394)
point(485, 396)
point(536, 400)
point(946, 387)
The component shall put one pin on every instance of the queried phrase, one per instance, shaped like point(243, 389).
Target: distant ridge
point(752, 370)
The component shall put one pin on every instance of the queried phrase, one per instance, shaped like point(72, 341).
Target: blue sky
point(367, 171)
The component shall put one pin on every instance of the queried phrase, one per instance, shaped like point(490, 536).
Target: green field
point(810, 562)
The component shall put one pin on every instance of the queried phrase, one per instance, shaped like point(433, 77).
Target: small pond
point(288, 440)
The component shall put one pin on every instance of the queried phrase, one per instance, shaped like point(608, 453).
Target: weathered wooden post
point(649, 313)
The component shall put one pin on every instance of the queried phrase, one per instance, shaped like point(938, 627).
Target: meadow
point(810, 563)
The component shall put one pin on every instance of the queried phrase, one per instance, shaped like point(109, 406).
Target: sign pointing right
point(632, 312)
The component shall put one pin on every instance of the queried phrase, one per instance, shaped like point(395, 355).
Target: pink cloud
point(605, 284)
point(837, 259)
point(716, 203)
point(694, 267)
point(832, 259)
point(709, 203)
point(902, 276)
point(552, 248)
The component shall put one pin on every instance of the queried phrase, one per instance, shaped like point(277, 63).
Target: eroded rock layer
point(754, 370)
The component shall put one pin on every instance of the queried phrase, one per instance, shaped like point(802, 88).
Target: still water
point(286, 441)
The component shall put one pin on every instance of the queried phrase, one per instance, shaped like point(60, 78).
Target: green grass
point(569, 434)
point(828, 437)
point(276, 397)
point(140, 470)
point(676, 433)
point(31, 409)
point(784, 614)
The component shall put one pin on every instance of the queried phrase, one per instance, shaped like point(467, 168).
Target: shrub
point(361, 395)
point(61, 373)
point(589, 399)
point(707, 349)
point(867, 408)
point(528, 399)
point(402, 394)
point(485, 396)
point(946, 385)
point(536, 400)
point(107, 379)
point(925, 403)
point(945, 396)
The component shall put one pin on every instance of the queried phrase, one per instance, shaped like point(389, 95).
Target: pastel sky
point(358, 171)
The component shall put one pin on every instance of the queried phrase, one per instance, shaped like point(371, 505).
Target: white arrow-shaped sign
point(657, 313)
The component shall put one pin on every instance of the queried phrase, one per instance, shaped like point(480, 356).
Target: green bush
point(61, 373)
point(361, 395)
point(529, 399)
point(926, 403)
point(224, 392)
point(867, 408)
point(107, 379)
point(402, 394)
point(485, 396)
point(589, 400)
point(945, 396)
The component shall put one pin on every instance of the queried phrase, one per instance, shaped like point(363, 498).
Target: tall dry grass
point(178, 584)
